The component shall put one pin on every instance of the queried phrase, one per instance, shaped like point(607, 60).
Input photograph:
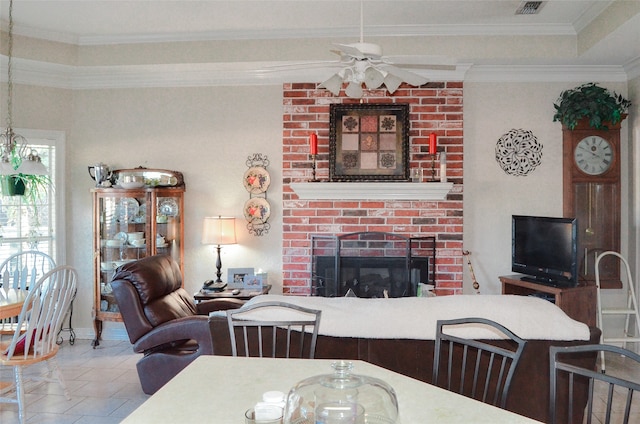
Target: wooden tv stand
point(577, 302)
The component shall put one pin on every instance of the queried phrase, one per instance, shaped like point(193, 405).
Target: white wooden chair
point(42, 316)
point(20, 271)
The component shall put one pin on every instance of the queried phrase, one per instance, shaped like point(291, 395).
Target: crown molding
point(38, 73)
point(590, 14)
point(633, 68)
point(290, 33)
point(546, 73)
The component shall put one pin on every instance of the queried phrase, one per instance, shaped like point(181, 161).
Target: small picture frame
point(253, 283)
point(236, 276)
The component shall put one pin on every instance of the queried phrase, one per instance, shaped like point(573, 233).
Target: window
point(37, 223)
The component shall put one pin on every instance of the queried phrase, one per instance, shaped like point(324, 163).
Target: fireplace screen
point(371, 264)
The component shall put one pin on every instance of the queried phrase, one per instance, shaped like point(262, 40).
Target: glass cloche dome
point(341, 397)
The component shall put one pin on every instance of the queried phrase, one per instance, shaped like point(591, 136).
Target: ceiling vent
point(529, 7)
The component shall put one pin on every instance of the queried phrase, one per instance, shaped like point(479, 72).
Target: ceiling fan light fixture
point(373, 78)
point(354, 90)
point(392, 83)
point(333, 84)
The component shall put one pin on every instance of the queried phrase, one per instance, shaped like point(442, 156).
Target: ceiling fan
point(365, 65)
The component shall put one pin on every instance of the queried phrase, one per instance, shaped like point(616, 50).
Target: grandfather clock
point(591, 193)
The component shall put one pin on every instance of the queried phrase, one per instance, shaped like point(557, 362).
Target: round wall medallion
point(518, 152)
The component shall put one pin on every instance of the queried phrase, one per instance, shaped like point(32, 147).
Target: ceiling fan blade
point(408, 77)
point(303, 65)
point(351, 50)
point(361, 50)
point(431, 61)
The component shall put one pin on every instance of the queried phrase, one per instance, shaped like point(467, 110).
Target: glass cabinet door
point(123, 237)
point(167, 228)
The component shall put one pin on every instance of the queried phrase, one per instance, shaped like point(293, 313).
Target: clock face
point(593, 155)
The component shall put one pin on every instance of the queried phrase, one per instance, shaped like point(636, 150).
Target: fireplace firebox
point(371, 264)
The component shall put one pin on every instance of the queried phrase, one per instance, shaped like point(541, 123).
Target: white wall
point(205, 133)
point(490, 195)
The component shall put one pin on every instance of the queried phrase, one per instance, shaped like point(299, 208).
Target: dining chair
point(620, 391)
point(42, 314)
point(476, 368)
point(20, 271)
point(276, 329)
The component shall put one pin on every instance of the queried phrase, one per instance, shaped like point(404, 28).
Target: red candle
point(432, 143)
point(313, 141)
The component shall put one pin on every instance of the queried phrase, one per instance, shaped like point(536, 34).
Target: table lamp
point(218, 231)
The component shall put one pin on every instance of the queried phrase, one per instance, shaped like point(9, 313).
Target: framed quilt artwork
point(369, 142)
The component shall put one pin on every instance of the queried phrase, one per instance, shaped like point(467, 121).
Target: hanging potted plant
point(21, 174)
point(12, 185)
point(590, 102)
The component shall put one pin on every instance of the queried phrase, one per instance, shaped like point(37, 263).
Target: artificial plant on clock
point(591, 117)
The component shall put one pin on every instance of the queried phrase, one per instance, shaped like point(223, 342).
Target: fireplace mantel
point(371, 190)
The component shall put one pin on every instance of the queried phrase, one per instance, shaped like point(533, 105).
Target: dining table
point(219, 389)
point(11, 301)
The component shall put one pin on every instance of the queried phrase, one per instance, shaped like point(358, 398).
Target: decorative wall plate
point(257, 209)
point(256, 180)
point(518, 152)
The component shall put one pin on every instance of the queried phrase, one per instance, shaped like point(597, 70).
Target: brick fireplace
point(435, 107)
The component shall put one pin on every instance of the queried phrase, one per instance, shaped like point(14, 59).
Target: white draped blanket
point(415, 317)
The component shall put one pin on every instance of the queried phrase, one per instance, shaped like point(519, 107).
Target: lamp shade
point(219, 230)
point(373, 78)
point(392, 83)
point(333, 84)
point(354, 90)
point(6, 168)
point(33, 167)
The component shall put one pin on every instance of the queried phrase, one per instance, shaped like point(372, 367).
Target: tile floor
point(103, 384)
point(104, 387)
point(622, 367)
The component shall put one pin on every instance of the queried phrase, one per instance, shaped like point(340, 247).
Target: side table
point(228, 294)
point(577, 302)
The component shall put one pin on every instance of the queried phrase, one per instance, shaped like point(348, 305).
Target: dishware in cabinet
point(130, 224)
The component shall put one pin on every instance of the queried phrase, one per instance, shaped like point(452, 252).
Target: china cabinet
point(130, 224)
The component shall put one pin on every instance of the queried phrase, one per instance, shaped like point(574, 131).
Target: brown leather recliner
point(162, 320)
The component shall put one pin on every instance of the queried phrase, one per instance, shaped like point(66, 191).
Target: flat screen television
point(545, 249)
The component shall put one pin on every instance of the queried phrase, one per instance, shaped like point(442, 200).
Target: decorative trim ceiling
point(48, 74)
point(543, 73)
point(272, 34)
